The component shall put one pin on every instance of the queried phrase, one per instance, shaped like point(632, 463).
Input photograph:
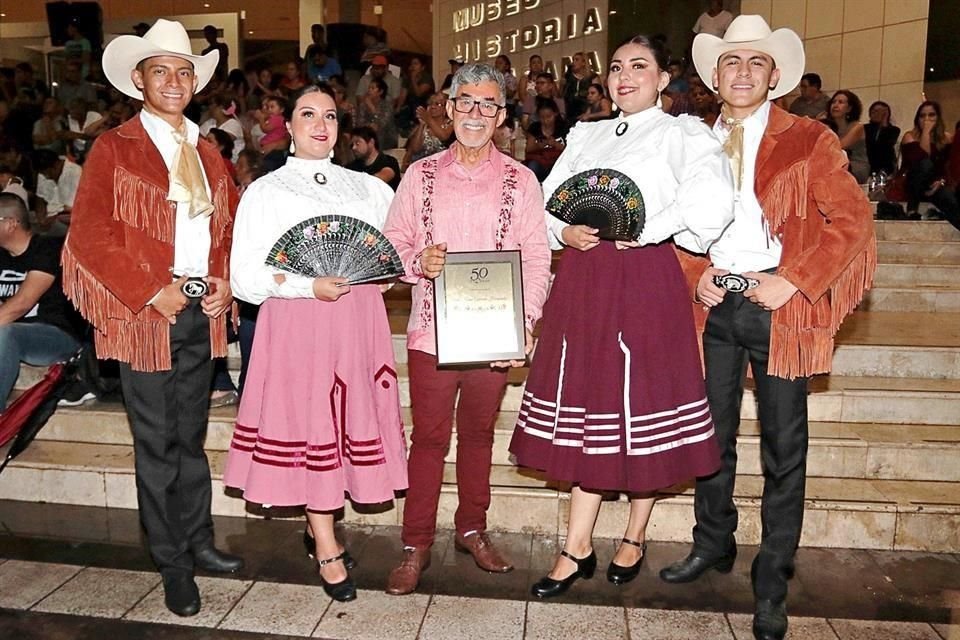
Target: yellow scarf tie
point(733, 147)
point(186, 178)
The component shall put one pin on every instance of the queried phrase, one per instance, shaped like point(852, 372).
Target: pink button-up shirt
point(466, 206)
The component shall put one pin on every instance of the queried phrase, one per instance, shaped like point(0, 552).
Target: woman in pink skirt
point(615, 398)
point(320, 413)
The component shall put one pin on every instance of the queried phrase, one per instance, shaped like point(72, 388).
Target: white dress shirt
point(677, 163)
point(284, 198)
point(191, 244)
point(746, 245)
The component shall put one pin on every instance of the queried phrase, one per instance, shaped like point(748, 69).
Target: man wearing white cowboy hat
point(145, 262)
point(796, 260)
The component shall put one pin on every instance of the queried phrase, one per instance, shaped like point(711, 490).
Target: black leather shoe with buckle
point(619, 574)
point(548, 587)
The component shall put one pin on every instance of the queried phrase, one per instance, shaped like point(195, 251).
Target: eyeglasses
point(487, 109)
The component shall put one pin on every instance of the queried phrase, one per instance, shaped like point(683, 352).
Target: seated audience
point(374, 110)
point(58, 179)
point(37, 323)
point(504, 66)
point(505, 137)
point(434, 132)
point(844, 112)
point(417, 87)
point(322, 66)
point(224, 143)
point(72, 85)
point(546, 88)
point(118, 113)
point(380, 70)
point(293, 79)
point(373, 47)
point(812, 103)
point(270, 119)
point(546, 139)
point(370, 160)
point(223, 115)
point(79, 119)
point(924, 151)
point(881, 139)
point(705, 103)
point(599, 106)
point(576, 82)
point(48, 130)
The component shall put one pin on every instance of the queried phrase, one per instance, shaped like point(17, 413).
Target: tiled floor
point(80, 572)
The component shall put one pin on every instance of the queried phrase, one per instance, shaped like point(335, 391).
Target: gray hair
point(475, 73)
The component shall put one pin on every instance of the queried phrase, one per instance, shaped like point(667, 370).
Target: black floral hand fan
point(604, 199)
point(336, 246)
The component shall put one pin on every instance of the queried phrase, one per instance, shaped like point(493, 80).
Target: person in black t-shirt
point(366, 149)
point(36, 321)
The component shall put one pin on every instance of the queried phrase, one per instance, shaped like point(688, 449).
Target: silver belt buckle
point(735, 283)
point(195, 288)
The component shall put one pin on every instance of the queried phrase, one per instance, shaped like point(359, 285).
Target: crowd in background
point(391, 115)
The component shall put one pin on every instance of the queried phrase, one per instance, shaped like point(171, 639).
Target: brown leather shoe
point(484, 553)
point(405, 576)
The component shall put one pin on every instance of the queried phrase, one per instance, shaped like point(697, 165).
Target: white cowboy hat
point(753, 33)
point(165, 38)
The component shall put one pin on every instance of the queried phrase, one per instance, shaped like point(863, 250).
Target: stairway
point(884, 461)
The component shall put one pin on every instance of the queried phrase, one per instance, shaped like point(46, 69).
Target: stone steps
point(840, 512)
point(840, 450)
point(906, 276)
point(927, 231)
point(918, 252)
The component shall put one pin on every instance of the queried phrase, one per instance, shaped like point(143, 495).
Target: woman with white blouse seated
point(320, 413)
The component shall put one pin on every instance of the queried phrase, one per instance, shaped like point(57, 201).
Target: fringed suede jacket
point(119, 251)
point(815, 207)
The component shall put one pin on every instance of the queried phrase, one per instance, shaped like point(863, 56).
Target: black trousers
point(168, 412)
point(738, 330)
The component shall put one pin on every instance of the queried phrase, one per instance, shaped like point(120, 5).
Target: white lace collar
point(319, 180)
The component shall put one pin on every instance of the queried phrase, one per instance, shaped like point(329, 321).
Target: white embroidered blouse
point(676, 162)
point(280, 200)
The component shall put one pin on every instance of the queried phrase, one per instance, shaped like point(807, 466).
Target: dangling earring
point(659, 101)
point(293, 147)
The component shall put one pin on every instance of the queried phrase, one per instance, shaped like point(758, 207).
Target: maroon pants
point(432, 395)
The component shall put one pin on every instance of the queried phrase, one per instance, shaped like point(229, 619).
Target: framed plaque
point(478, 299)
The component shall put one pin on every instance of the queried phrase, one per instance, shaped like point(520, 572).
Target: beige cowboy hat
point(753, 33)
point(165, 38)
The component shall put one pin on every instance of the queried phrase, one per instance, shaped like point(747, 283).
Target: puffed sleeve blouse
point(678, 164)
point(279, 200)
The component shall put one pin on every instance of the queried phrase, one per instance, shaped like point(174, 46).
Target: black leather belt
point(194, 288)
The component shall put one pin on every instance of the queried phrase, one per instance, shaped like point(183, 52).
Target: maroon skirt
point(615, 398)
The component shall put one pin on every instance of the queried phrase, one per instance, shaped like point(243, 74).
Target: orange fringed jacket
point(119, 250)
point(821, 216)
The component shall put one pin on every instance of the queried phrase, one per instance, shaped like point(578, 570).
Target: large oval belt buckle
point(735, 283)
point(194, 288)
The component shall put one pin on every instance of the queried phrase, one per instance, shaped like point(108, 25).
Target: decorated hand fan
point(336, 246)
point(604, 199)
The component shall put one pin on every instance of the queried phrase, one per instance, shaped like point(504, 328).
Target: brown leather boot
point(405, 576)
point(484, 553)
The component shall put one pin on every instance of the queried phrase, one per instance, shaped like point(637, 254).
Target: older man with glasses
point(470, 197)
